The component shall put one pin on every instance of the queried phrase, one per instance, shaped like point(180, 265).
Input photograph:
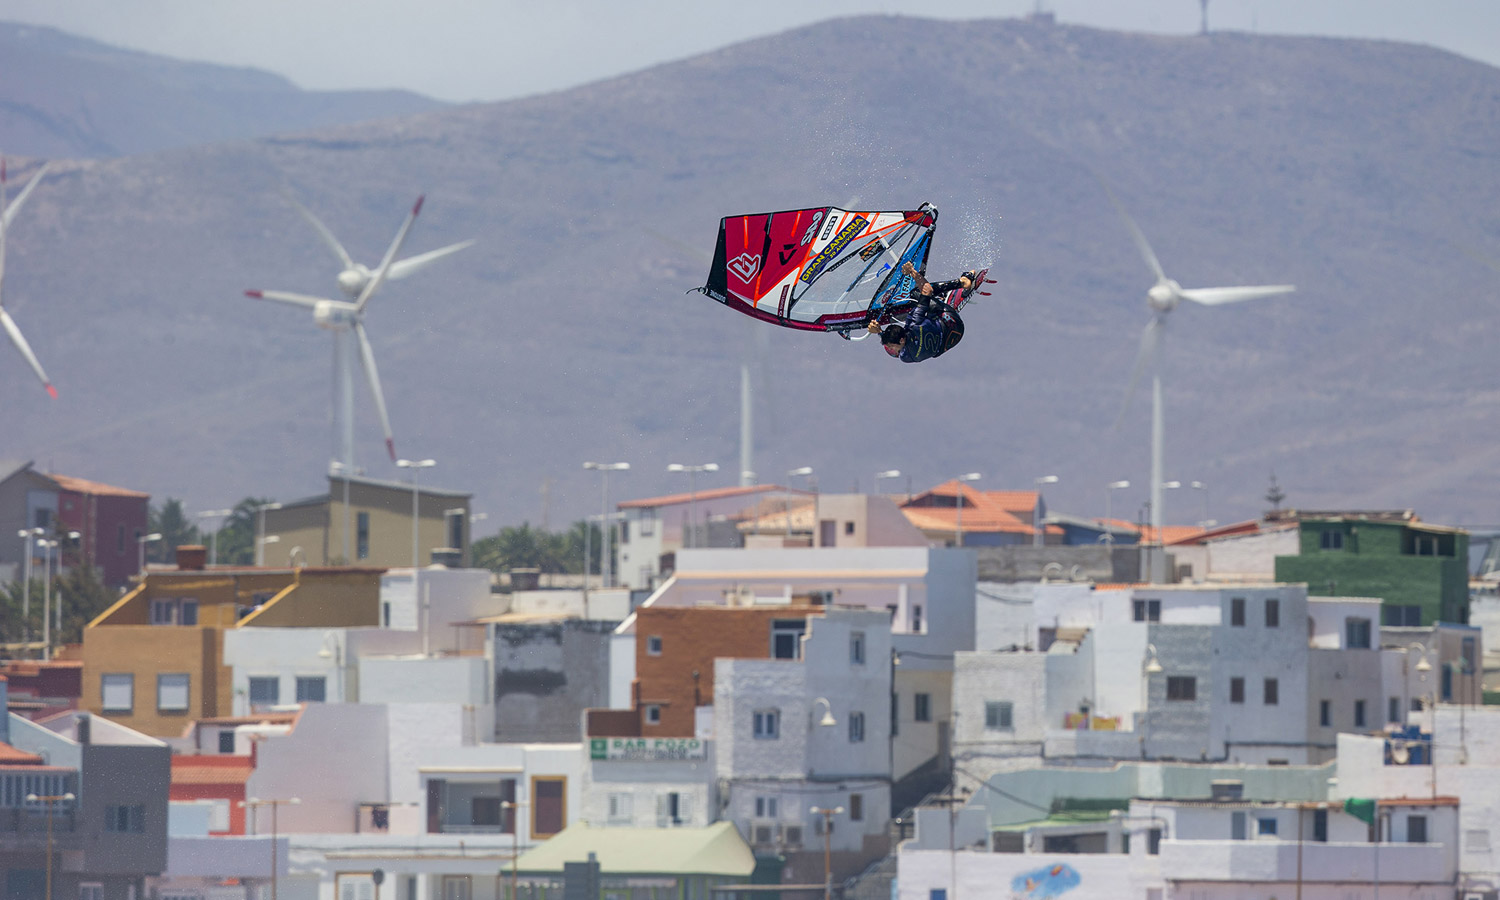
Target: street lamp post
point(1109, 493)
point(27, 535)
point(888, 473)
point(260, 531)
point(49, 800)
point(46, 546)
point(141, 542)
point(606, 559)
point(213, 536)
point(693, 491)
point(255, 804)
point(415, 466)
point(1205, 522)
point(958, 528)
point(1422, 666)
point(827, 814)
point(1037, 538)
point(515, 842)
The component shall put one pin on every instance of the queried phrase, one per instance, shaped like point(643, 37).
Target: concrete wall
point(1015, 678)
point(546, 675)
point(114, 776)
point(639, 785)
point(306, 764)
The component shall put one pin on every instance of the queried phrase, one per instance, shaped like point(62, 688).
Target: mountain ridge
point(1354, 169)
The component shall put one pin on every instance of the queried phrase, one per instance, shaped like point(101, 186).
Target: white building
point(656, 526)
point(794, 735)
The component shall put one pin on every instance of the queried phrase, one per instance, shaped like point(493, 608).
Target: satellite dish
point(1400, 754)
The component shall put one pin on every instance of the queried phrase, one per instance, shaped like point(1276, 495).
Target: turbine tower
point(345, 318)
point(7, 215)
point(1163, 297)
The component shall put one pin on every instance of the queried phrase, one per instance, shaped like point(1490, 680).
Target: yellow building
point(378, 516)
point(154, 661)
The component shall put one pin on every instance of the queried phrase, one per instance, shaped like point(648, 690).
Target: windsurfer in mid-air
point(932, 327)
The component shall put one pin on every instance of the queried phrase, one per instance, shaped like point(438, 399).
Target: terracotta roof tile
point(708, 494)
point(84, 486)
point(10, 756)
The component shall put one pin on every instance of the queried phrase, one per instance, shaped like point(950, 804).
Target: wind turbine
point(345, 318)
point(7, 215)
point(1163, 297)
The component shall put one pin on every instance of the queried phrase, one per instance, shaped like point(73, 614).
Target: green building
point(1419, 571)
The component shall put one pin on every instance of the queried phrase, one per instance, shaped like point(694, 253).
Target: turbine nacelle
point(352, 281)
point(1164, 295)
point(335, 315)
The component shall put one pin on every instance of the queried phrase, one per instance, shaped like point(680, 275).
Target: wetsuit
point(932, 327)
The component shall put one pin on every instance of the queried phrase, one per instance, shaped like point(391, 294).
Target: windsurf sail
point(820, 269)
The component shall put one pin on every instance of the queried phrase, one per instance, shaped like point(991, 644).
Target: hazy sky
point(462, 50)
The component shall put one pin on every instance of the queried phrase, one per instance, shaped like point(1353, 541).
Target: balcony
point(1277, 861)
point(23, 830)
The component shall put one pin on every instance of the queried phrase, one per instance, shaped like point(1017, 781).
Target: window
point(848, 528)
point(1265, 825)
point(458, 887)
point(1416, 829)
point(362, 535)
point(767, 724)
point(1153, 841)
point(549, 813)
point(673, 808)
point(1359, 714)
point(828, 532)
point(1320, 825)
point(620, 808)
point(117, 693)
point(653, 714)
point(1237, 821)
point(1147, 610)
point(766, 807)
point(857, 648)
point(1357, 634)
point(311, 688)
point(1399, 614)
point(1182, 687)
point(1331, 540)
point(786, 638)
point(226, 741)
point(997, 716)
point(856, 727)
point(456, 528)
point(1393, 710)
point(172, 692)
point(125, 819)
point(174, 611)
point(1325, 713)
point(1273, 613)
point(921, 707)
point(856, 807)
point(1271, 692)
point(647, 522)
point(120, 539)
point(90, 890)
point(1237, 612)
point(1236, 690)
point(895, 713)
point(264, 691)
point(916, 618)
point(653, 645)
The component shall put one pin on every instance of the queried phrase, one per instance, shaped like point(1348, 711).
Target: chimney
point(191, 557)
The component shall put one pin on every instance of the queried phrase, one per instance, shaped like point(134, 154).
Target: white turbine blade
point(323, 232)
point(390, 256)
point(1221, 295)
point(1135, 232)
point(20, 341)
point(13, 208)
point(1144, 359)
point(405, 267)
point(367, 359)
point(302, 300)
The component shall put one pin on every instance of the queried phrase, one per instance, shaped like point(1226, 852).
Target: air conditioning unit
point(791, 835)
point(762, 834)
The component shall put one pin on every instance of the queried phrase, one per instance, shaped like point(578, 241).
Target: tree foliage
point(175, 529)
point(236, 541)
point(522, 547)
point(78, 595)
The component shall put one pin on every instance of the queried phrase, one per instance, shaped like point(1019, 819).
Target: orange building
point(154, 661)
